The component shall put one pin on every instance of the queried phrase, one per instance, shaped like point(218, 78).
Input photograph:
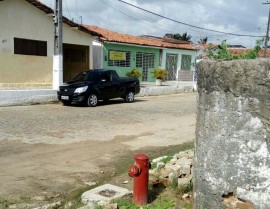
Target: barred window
point(145, 59)
point(30, 47)
point(119, 58)
point(186, 62)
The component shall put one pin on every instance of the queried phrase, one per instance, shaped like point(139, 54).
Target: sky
point(241, 17)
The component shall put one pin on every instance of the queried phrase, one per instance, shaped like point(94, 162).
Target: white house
point(27, 45)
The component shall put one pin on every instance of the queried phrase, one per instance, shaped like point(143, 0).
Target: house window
point(186, 62)
point(119, 58)
point(30, 47)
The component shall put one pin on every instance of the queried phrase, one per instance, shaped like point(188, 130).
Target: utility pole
point(267, 32)
point(58, 45)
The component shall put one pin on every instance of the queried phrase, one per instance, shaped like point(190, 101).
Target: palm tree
point(185, 37)
point(203, 40)
point(177, 36)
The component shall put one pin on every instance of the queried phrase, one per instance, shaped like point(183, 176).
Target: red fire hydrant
point(140, 172)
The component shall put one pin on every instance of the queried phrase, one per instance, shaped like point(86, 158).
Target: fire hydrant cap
point(141, 157)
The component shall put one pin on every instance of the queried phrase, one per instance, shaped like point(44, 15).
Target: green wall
point(133, 49)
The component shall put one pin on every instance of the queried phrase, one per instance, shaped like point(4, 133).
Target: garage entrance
point(75, 60)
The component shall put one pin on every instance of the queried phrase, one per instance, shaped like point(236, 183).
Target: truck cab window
point(106, 77)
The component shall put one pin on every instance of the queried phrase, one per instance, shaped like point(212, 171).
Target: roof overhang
point(131, 44)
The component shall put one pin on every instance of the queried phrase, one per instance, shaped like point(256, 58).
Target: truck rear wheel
point(92, 100)
point(129, 97)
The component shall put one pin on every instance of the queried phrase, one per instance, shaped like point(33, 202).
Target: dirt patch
point(48, 152)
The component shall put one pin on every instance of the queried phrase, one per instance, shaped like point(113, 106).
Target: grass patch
point(164, 160)
point(185, 188)
point(160, 203)
point(187, 206)
point(4, 203)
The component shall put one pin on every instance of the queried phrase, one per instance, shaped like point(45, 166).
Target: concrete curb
point(42, 96)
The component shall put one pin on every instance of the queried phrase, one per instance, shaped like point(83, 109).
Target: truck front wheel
point(92, 100)
point(129, 97)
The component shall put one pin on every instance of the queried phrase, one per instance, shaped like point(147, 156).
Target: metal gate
point(171, 66)
point(145, 61)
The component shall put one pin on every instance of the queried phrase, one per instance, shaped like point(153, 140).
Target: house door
point(171, 66)
point(145, 61)
point(75, 60)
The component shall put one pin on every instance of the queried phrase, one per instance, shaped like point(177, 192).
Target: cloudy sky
point(248, 17)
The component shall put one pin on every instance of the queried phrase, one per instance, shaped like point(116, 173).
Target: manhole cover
point(107, 193)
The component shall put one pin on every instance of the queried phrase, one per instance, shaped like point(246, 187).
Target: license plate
point(64, 97)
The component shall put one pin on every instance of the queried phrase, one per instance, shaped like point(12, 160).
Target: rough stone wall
point(232, 161)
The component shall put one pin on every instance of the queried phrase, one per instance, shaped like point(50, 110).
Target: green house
point(124, 53)
point(123, 58)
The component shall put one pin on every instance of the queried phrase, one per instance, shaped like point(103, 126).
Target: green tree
point(225, 54)
point(203, 40)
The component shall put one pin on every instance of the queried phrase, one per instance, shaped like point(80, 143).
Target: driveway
point(50, 149)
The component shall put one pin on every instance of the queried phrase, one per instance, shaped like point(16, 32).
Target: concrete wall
point(232, 162)
point(20, 19)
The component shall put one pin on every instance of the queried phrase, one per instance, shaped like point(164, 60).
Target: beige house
point(27, 45)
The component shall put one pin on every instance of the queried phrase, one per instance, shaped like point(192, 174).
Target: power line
point(136, 16)
point(67, 9)
point(186, 24)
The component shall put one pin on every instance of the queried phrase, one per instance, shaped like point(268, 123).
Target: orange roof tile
point(110, 36)
point(245, 51)
point(208, 46)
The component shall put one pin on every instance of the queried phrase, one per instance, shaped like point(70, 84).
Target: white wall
point(20, 19)
point(179, 52)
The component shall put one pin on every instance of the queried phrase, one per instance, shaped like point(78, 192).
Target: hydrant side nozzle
point(134, 170)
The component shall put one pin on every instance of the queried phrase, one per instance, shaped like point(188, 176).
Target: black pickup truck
point(93, 85)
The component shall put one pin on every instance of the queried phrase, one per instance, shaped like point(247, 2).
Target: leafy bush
point(160, 73)
point(134, 73)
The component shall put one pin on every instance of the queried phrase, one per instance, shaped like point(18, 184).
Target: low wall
point(163, 90)
point(22, 97)
point(232, 161)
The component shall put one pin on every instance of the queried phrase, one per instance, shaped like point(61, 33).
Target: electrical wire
point(67, 9)
point(148, 20)
point(187, 24)
point(135, 16)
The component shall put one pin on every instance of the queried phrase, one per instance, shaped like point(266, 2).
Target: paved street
point(53, 148)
